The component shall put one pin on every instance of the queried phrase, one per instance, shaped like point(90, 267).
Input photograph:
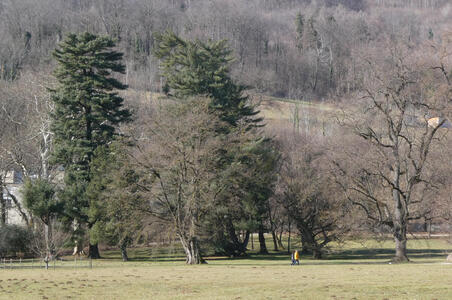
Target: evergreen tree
point(196, 68)
point(299, 28)
point(41, 201)
point(116, 218)
point(87, 112)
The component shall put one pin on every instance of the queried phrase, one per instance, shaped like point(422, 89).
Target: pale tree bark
point(49, 251)
point(192, 250)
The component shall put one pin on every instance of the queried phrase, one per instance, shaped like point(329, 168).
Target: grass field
point(355, 270)
point(276, 111)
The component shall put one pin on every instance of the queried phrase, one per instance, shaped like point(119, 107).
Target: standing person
point(296, 257)
point(292, 258)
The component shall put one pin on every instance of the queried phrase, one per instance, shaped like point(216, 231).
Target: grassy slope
point(353, 271)
point(274, 110)
point(280, 112)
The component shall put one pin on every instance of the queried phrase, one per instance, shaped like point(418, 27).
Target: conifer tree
point(196, 68)
point(39, 198)
point(87, 111)
point(299, 24)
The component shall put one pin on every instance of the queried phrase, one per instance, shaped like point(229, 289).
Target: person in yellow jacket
point(295, 258)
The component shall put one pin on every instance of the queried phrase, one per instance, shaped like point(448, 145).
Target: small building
point(434, 122)
point(13, 183)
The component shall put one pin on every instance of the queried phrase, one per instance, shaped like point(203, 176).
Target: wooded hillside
point(298, 49)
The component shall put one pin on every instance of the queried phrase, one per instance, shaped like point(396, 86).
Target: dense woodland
point(136, 122)
point(299, 49)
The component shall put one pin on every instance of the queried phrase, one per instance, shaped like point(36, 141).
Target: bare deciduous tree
point(384, 173)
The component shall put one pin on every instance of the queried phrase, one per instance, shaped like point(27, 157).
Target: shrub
point(14, 239)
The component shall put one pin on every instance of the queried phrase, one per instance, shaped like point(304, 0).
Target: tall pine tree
point(197, 68)
point(87, 112)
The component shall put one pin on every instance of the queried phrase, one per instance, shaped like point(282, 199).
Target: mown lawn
point(356, 270)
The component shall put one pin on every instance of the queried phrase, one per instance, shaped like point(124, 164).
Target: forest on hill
point(298, 49)
point(135, 122)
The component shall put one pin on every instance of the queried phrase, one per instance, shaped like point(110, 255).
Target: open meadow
point(356, 270)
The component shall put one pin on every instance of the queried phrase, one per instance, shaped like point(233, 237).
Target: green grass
point(355, 270)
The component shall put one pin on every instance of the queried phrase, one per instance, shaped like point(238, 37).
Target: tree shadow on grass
point(367, 256)
point(338, 257)
point(385, 253)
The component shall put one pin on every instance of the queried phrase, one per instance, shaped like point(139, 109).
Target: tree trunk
point(263, 247)
point(275, 241)
point(308, 242)
point(246, 240)
point(400, 222)
point(316, 75)
point(316, 253)
point(76, 249)
point(280, 243)
point(2, 209)
point(400, 239)
point(124, 251)
point(48, 241)
point(93, 251)
point(272, 228)
point(288, 240)
point(239, 247)
point(192, 250)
